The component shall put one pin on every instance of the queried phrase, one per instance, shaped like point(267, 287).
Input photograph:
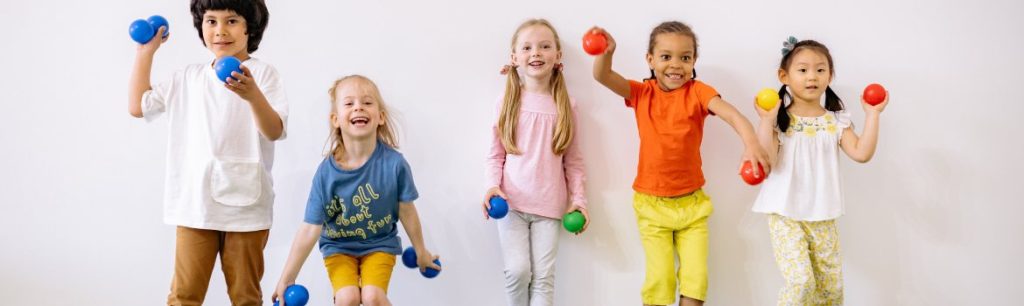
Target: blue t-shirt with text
point(358, 208)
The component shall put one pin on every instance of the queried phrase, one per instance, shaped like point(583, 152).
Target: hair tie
point(788, 45)
point(505, 69)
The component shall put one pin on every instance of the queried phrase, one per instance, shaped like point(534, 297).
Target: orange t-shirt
point(671, 126)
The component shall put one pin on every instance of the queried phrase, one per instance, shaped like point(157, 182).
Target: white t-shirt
point(804, 184)
point(218, 163)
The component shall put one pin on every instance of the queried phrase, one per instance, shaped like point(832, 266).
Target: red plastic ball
point(748, 173)
point(874, 94)
point(594, 43)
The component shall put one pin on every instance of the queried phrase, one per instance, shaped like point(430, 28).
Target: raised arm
point(603, 72)
point(766, 134)
point(862, 148)
point(139, 83)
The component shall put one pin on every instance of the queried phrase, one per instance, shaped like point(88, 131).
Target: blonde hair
point(386, 133)
point(509, 116)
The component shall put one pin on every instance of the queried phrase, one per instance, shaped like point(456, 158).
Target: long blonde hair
point(387, 132)
point(509, 116)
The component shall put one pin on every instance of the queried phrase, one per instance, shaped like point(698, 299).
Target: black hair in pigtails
point(782, 119)
point(832, 100)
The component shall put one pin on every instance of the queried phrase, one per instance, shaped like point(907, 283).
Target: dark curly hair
point(254, 11)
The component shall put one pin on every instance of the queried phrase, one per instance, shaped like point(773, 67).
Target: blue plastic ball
point(499, 208)
point(409, 257)
point(224, 67)
point(157, 21)
point(296, 295)
point(141, 31)
point(431, 272)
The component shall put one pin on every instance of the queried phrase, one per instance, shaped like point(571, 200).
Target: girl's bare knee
point(347, 296)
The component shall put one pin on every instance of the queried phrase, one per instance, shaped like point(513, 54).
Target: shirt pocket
point(236, 182)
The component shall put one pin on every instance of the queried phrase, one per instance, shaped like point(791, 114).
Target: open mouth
point(359, 121)
point(536, 63)
point(674, 76)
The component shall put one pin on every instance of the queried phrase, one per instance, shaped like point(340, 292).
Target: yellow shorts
point(671, 225)
point(372, 269)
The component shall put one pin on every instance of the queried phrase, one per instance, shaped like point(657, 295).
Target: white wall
point(933, 219)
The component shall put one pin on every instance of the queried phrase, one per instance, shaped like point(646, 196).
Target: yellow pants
point(670, 226)
point(807, 253)
point(372, 269)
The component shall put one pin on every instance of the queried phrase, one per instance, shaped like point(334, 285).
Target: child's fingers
point(434, 266)
point(241, 78)
point(160, 33)
point(233, 84)
point(230, 86)
point(246, 71)
point(586, 220)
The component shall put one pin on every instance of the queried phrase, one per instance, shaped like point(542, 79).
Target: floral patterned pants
point(807, 253)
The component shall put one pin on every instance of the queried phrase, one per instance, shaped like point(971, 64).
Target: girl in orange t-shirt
point(670, 206)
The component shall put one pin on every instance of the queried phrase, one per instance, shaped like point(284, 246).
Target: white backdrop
point(933, 219)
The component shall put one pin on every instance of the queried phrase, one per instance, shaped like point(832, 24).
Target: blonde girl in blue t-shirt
point(359, 193)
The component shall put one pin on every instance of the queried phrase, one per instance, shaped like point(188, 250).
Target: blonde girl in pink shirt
point(534, 163)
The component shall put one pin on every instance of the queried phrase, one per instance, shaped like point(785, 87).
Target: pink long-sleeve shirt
point(537, 181)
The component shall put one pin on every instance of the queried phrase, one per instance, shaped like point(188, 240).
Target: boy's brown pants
point(241, 259)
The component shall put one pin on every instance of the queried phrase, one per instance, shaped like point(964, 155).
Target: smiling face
point(536, 51)
point(357, 110)
point(672, 59)
point(224, 33)
point(808, 74)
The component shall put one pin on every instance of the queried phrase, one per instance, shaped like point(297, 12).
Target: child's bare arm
point(753, 151)
point(141, 71)
point(267, 119)
point(766, 133)
point(603, 72)
point(302, 245)
point(411, 222)
point(862, 148)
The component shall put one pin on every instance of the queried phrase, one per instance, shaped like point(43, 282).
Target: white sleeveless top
point(804, 184)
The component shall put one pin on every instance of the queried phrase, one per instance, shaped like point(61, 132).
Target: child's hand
point(611, 41)
point(279, 292)
point(586, 215)
point(487, 199)
point(756, 155)
point(425, 260)
point(153, 44)
point(876, 109)
point(770, 114)
point(243, 85)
